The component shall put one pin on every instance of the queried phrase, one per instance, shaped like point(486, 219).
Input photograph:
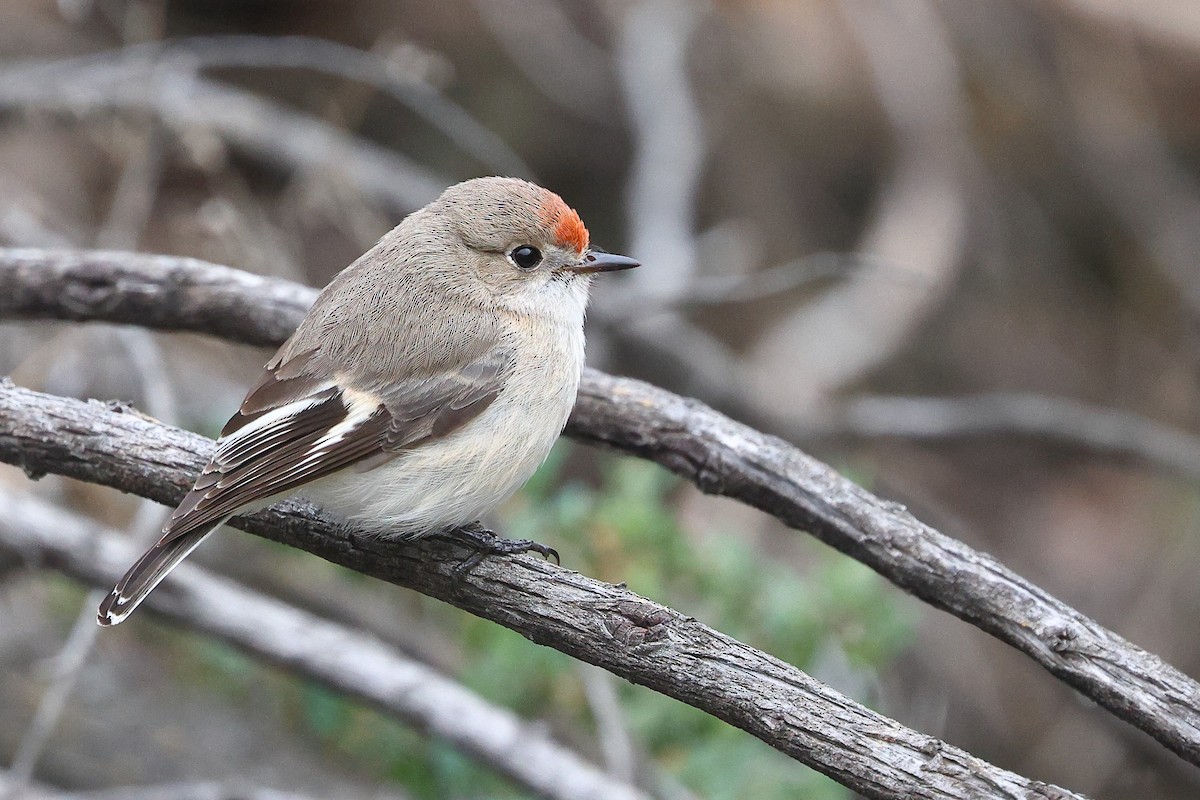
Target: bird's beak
point(600, 261)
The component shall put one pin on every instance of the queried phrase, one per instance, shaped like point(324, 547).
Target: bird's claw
point(485, 542)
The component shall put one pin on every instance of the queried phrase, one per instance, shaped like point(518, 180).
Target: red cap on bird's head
point(569, 230)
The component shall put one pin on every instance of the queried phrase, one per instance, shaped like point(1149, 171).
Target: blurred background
point(948, 247)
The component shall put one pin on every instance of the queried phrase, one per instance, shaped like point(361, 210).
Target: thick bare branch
point(349, 661)
point(600, 623)
point(719, 455)
point(91, 286)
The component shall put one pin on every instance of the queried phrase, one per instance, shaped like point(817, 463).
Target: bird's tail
point(149, 570)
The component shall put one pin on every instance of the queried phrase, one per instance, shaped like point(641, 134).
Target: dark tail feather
point(149, 570)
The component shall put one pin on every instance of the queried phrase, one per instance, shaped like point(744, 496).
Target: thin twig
point(1056, 419)
point(802, 273)
point(718, 454)
point(68, 665)
point(611, 729)
point(185, 791)
point(600, 623)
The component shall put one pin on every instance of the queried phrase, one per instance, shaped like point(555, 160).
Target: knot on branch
point(1060, 637)
point(638, 626)
point(92, 291)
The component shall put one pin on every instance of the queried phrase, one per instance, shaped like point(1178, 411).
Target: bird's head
point(520, 241)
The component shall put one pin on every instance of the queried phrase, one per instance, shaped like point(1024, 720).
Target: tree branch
point(348, 661)
point(714, 452)
point(600, 623)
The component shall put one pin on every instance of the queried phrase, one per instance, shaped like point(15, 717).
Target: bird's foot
point(485, 542)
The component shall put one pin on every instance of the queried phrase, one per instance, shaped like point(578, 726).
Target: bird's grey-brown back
point(403, 299)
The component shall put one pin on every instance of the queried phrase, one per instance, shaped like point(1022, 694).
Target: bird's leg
point(485, 542)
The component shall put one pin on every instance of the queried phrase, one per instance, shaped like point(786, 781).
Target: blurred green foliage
point(624, 529)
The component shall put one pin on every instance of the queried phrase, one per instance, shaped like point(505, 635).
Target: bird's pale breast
point(467, 474)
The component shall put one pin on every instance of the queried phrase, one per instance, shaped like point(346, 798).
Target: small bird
point(423, 388)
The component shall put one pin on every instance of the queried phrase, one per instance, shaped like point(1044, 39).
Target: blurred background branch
point(1055, 420)
point(170, 791)
point(191, 105)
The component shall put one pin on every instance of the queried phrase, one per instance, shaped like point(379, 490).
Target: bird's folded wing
point(301, 423)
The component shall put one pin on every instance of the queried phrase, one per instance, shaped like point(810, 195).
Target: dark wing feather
point(282, 382)
point(257, 461)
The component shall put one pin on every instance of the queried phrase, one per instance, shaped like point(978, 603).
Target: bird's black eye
point(526, 256)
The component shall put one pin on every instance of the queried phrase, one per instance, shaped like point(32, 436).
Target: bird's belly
point(452, 481)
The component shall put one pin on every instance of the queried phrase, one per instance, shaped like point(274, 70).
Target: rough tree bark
point(719, 455)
